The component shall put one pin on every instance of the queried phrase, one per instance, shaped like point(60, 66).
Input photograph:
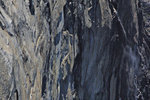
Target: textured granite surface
point(74, 49)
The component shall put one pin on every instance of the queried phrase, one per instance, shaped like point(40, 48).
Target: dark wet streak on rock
point(78, 61)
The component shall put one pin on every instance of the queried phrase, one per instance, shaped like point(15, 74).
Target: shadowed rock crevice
point(31, 7)
point(16, 94)
point(44, 79)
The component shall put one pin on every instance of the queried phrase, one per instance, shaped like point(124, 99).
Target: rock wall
point(74, 49)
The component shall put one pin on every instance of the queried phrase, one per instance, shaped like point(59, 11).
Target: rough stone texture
point(74, 49)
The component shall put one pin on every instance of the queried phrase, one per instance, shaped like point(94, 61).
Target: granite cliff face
point(74, 50)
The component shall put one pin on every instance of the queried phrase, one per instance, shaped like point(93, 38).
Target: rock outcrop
point(74, 49)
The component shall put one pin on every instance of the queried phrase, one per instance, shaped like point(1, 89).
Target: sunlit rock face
point(74, 50)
